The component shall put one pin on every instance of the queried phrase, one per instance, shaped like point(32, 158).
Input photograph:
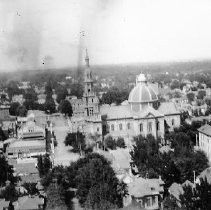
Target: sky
point(43, 34)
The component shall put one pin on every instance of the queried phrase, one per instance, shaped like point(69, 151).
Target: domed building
point(143, 114)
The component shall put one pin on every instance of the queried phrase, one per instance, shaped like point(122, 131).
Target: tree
point(10, 193)
point(170, 203)
point(76, 140)
point(13, 108)
point(55, 197)
point(175, 84)
point(44, 164)
point(201, 94)
point(61, 94)
point(197, 197)
point(50, 106)
point(6, 172)
point(145, 155)
point(30, 97)
point(66, 108)
point(96, 181)
point(77, 90)
point(110, 143)
point(12, 89)
point(114, 95)
point(21, 111)
point(120, 142)
point(190, 97)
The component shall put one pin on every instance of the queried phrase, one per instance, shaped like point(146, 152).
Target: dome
point(142, 93)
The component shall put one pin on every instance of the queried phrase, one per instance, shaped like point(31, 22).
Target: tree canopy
point(65, 108)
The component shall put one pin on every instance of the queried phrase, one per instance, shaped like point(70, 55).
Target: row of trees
point(177, 165)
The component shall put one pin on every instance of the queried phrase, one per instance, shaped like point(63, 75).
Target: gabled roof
point(168, 108)
point(116, 112)
point(205, 129)
point(124, 111)
point(206, 174)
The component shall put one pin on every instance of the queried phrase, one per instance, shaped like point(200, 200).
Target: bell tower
point(90, 99)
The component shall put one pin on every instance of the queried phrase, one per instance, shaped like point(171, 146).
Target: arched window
point(173, 122)
point(120, 126)
point(128, 126)
point(112, 127)
point(149, 127)
point(158, 125)
point(141, 127)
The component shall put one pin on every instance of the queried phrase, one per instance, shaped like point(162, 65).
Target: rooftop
point(205, 129)
point(31, 143)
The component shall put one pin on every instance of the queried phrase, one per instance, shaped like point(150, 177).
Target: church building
point(143, 114)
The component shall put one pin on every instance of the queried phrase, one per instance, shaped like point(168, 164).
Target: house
point(4, 205)
point(29, 203)
point(147, 192)
point(203, 140)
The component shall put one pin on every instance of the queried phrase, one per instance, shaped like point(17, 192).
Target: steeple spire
point(87, 58)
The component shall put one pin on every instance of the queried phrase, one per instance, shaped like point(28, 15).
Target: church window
point(141, 127)
point(173, 122)
point(120, 126)
point(98, 129)
point(128, 126)
point(149, 127)
point(112, 127)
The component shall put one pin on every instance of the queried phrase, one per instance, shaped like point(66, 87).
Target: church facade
point(143, 114)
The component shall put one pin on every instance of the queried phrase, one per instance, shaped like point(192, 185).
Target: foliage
point(120, 142)
point(177, 166)
point(44, 164)
point(170, 203)
point(65, 108)
point(61, 94)
point(201, 94)
point(6, 172)
point(49, 105)
point(31, 187)
point(175, 84)
point(190, 97)
point(76, 90)
point(30, 97)
point(10, 193)
point(198, 197)
point(110, 143)
point(55, 197)
point(145, 155)
point(21, 111)
point(13, 108)
point(114, 95)
point(12, 89)
point(96, 181)
point(76, 140)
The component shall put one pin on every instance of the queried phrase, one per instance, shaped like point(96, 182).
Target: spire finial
point(87, 58)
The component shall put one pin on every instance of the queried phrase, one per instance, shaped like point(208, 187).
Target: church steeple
point(87, 59)
point(89, 97)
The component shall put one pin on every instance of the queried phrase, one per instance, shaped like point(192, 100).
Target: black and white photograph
point(105, 105)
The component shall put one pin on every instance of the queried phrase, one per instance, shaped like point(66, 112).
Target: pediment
point(149, 115)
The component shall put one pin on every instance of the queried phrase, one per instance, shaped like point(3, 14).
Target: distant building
point(30, 141)
point(203, 140)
